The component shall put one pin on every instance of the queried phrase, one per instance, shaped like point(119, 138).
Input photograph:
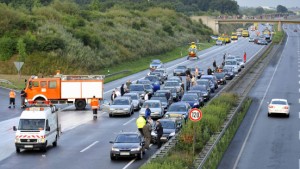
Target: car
point(164, 93)
point(229, 74)
point(121, 106)
point(163, 71)
point(280, 106)
point(262, 42)
point(169, 84)
point(159, 75)
point(155, 64)
point(200, 72)
point(136, 100)
point(175, 94)
point(219, 42)
point(230, 57)
point(176, 78)
point(212, 78)
point(156, 108)
point(240, 61)
point(127, 144)
point(192, 99)
point(201, 89)
point(147, 85)
point(164, 102)
point(179, 108)
point(138, 88)
point(155, 81)
point(234, 36)
point(251, 39)
point(208, 83)
point(199, 94)
point(232, 63)
point(221, 79)
point(170, 128)
point(179, 71)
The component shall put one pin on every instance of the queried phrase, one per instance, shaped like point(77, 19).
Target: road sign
point(195, 114)
point(18, 65)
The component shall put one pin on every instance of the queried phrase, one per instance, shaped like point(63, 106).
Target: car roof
point(151, 101)
point(126, 94)
point(122, 97)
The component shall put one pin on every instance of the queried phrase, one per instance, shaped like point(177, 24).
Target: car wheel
point(269, 114)
point(18, 150)
point(44, 148)
point(112, 157)
point(54, 144)
point(110, 115)
point(288, 115)
point(140, 155)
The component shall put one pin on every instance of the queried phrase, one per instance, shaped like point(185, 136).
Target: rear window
point(279, 102)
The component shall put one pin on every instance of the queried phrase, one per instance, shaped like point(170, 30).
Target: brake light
point(286, 107)
point(271, 106)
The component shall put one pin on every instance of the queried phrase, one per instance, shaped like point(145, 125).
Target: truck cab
point(38, 128)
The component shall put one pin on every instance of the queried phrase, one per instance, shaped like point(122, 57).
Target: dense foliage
point(84, 39)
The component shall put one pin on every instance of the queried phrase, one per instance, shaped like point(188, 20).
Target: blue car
point(155, 81)
point(191, 99)
point(179, 108)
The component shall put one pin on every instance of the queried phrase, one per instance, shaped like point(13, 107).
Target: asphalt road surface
point(85, 143)
point(271, 142)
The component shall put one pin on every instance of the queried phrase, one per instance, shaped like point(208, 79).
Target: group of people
point(123, 89)
point(12, 98)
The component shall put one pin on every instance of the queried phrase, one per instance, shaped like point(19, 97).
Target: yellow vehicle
point(234, 36)
point(224, 38)
point(245, 33)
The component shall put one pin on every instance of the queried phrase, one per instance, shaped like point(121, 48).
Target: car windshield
point(127, 138)
point(181, 67)
point(133, 97)
point(168, 124)
point(189, 98)
point(136, 87)
point(160, 71)
point(151, 105)
point(147, 86)
point(198, 87)
point(239, 59)
point(177, 108)
point(156, 62)
point(219, 75)
point(202, 82)
point(143, 82)
point(279, 102)
point(155, 73)
point(162, 99)
point(120, 102)
point(173, 83)
point(160, 94)
point(230, 62)
point(31, 124)
point(152, 78)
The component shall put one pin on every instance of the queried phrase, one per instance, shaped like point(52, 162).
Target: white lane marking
point(299, 135)
point(256, 114)
point(83, 150)
point(299, 115)
point(129, 164)
point(128, 121)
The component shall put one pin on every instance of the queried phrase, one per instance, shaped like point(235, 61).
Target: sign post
point(195, 115)
point(19, 66)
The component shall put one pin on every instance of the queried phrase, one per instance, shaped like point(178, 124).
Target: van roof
point(36, 113)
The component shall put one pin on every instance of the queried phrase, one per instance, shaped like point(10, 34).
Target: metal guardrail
point(7, 82)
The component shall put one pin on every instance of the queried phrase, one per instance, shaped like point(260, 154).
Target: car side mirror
point(14, 128)
point(111, 142)
point(48, 128)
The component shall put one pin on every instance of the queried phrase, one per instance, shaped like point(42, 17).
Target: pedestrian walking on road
point(147, 134)
point(23, 96)
point(12, 98)
point(140, 122)
point(113, 96)
point(95, 106)
point(214, 64)
point(209, 71)
point(159, 130)
point(122, 90)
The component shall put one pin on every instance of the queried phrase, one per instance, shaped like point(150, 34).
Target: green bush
point(7, 47)
point(50, 43)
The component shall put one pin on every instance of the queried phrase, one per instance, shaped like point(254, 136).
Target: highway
point(85, 143)
point(271, 142)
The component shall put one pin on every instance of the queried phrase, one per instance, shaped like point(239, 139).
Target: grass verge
point(218, 152)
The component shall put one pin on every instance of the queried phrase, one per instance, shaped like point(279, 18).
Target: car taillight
point(286, 107)
point(271, 106)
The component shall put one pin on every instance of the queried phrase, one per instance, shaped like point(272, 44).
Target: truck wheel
point(80, 104)
point(55, 142)
point(18, 150)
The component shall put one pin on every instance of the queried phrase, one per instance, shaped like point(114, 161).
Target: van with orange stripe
point(65, 89)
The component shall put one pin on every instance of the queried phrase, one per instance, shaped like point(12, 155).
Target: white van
point(38, 128)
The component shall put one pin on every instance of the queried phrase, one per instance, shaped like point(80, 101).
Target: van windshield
point(31, 124)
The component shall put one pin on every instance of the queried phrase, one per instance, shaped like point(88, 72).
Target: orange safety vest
point(12, 94)
point(95, 103)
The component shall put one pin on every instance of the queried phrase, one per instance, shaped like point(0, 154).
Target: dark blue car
point(192, 99)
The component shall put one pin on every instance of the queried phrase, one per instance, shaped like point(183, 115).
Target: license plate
point(164, 138)
point(124, 153)
point(28, 146)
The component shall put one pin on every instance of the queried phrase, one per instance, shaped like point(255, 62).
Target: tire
point(288, 115)
point(80, 104)
point(54, 144)
point(140, 157)
point(269, 114)
point(18, 150)
point(110, 115)
point(44, 148)
point(112, 157)
point(174, 74)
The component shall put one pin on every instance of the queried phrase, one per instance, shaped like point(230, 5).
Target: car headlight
point(125, 108)
point(221, 79)
point(42, 140)
point(136, 149)
point(204, 94)
point(114, 149)
point(17, 140)
point(172, 134)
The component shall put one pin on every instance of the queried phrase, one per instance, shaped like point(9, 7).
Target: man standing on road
point(95, 106)
point(147, 134)
point(215, 65)
point(23, 96)
point(140, 122)
point(245, 57)
point(209, 71)
point(147, 112)
point(12, 98)
point(122, 89)
point(159, 130)
point(113, 96)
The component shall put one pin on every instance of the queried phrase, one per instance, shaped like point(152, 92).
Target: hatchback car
point(229, 74)
point(127, 144)
point(280, 106)
point(207, 82)
point(179, 71)
point(192, 99)
point(121, 106)
point(157, 111)
point(203, 89)
point(212, 78)
point(172, 84)
point(219, 42)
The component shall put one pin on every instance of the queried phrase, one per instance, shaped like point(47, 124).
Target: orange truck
point(66, 89)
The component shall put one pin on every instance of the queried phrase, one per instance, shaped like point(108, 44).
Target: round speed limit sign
point(195, 114)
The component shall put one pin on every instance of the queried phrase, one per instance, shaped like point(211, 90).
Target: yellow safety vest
point(140, 122)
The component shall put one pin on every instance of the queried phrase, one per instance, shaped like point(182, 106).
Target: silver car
point(121, 106)
point(155, 64)
point(156, 108)
point(136, 100)
point(171, 84)
point(163, 71)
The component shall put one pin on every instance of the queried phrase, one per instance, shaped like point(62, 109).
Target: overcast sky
point(271, 3)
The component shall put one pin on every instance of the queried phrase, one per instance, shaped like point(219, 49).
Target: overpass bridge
point(213, 23)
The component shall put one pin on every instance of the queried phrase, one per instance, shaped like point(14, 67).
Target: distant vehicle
point(159, 75)
point(127, 144)
point(192, 53)
point(121, 106)
point(138, 88)
point(147, 85)
point(221, 79)
point(209, 84)
point(163, 71)
point(219, 42)
point(229, 74)
point(156, 108)
point(64, 89)
point(234, 36)
point(212, 78)
point(214, 37)
point(232, 63)
point(36, 122)
point(179, 71)
point(245, 33)
point(170, 128)
point(262, 42)
point(251, 39)
point(155, 81)
point(136, 100)
point(280, 106)
point(171, 84)
point(155, 64)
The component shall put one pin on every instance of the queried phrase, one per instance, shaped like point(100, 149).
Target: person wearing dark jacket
point(147, 134)
point(122, 90)
point(147, 112)
point(23, 96)
point(113, 96)
point(209, 71)
point(159, 129)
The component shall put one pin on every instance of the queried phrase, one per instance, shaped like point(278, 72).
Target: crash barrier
point(7, 82)
point(114, 74)
point(207, 150)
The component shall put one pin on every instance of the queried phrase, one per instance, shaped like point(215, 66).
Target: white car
point(279, 106)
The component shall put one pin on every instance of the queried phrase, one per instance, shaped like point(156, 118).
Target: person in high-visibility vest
point(12, 98)
point(95, 106)
point(140, 123)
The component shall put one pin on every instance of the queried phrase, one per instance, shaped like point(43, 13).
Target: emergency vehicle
point(38, 127)
point(64, 89)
